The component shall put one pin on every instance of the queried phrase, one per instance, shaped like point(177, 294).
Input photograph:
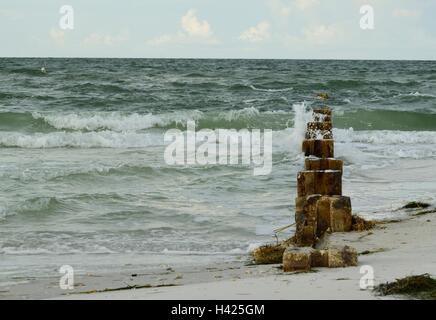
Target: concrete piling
point(320, 205)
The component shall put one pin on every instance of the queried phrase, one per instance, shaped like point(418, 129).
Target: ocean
point(84, 181)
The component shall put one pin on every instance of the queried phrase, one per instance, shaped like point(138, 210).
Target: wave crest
point(386, 137)
point(116, 121)
point(102, 139)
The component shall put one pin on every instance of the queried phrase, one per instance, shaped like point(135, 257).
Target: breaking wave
point(385, 137)
point(243, 118)
point(116, 121)
point(101, 139)
point(270, 89)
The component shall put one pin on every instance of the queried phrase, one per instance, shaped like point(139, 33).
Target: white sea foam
point(417, 94)
point(235, 251)
point(287, 140)
point(22, 251)
point(301, 117)
point(385, 137)
point(101, 139)
point(238, 114)
point(123, 131)
point(383, 147)
point(252, 246)
point(54, 249)
point(271, 90)
point(116, 121)
point(120, 122)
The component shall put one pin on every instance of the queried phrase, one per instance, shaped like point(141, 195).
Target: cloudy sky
point(290, 29)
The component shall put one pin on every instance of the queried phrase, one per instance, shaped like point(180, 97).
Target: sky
point(266, 29)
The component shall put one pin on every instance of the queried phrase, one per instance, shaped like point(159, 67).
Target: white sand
point(409, 249)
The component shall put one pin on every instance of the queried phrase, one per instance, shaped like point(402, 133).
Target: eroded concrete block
point(316, 215)
point(322, 126)
point(319, 134)
point(340, 214)
point(305, 258)
point(334, 214)
point(297, 258)
point(334, 257)
point(306, 220)
point(341, 257)
point(319, 258)
point(311, 163)
point(324, 182)
point(317, 117)
point(323, 213)
point(324, 111)
point(318, 148)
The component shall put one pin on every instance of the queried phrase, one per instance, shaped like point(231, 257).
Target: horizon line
point(209, 58)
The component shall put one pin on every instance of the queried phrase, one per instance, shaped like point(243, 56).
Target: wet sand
point(393, 250)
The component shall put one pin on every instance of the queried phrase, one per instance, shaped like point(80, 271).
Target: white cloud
point(97, 39)
point(405, 13)
point(258, 33)
point(193, 30)
point(194, 27)
point(58, 36)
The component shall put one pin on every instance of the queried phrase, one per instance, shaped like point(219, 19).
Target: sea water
point(83, 176)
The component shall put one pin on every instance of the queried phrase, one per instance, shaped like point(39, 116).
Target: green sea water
point(84, 181)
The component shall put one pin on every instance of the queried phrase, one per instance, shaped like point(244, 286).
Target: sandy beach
point(282, 150)
point(394, 250)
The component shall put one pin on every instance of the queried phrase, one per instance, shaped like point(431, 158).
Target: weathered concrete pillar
point(333, 214)
point(322, 114)
point(323, 111)
point(319, 130)
point(324, 182)
point(316, 214)
point(320, 206)
point(323, 215)
point(311, 163)
point(306, 220)
point(316, 125)
point(318, 148)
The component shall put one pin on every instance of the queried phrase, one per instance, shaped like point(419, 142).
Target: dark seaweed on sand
point(416, 205)
point(420, 286)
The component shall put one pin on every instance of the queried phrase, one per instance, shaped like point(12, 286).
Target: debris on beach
point(366, 252)
point(269, 254)
point(272, 253)
point(361, 224)
point(416, 205)
point(420, 286)
point(128, 287)
point(423, 212)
